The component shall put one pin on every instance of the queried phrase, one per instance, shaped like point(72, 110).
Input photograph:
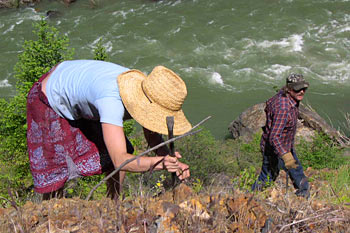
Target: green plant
point(340, 184)
point(253, 146)
point(321, 153)
point(247, 177)
point(37, 58)
point(197, 185)
point(158, 188)
point(100, 52)
point(201, 153)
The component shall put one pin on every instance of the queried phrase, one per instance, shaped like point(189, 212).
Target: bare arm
point(115, 142)
point(171, 163)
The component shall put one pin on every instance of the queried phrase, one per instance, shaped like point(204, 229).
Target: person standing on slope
point(277, 141)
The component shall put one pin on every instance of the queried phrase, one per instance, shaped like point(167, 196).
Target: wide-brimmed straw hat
point(150, 99)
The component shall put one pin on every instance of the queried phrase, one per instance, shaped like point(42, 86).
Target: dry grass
point(218, 207)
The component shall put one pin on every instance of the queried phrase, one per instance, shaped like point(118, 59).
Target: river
point(231, 54)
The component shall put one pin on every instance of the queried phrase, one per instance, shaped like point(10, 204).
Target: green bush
point(37, 58)
point(340, 184)
point(322, 152)
point(100, 52)
point(207, 156)
point(200, 152)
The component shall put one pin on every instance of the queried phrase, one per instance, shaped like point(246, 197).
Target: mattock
point(170, 125)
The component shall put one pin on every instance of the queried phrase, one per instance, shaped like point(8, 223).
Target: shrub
point(208, 157)
point(340, 183)
point(36, 59)
point(247, 178)
point(320, 153)
point(200, 152)
point(100, 52)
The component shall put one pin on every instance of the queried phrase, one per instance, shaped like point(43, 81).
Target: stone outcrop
point(18, 3)
point(183, 210)
point(180, 210)
point(251, 121)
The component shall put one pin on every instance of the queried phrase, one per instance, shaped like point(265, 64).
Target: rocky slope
point(217, 209)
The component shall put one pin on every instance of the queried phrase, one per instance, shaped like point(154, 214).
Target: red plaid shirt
point(281, 123)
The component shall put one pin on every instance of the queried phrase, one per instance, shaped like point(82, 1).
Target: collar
point(292, 101)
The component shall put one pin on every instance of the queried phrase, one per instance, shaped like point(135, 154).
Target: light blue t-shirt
point(86, 89)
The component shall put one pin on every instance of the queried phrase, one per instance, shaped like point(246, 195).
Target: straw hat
point(150, 99)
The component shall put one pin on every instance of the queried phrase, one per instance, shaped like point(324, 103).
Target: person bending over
point(75, 115)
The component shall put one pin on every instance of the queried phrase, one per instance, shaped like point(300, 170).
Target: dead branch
point(191, 132)
point(306, 219)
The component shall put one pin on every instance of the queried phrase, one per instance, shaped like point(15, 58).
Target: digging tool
point(170, 125)
point(189, 133)
point(287, 178)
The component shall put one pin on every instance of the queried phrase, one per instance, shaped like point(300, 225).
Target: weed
point(197, 185)
point(321, 153)
point(339, 182)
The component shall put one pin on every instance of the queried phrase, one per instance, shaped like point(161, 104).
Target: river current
point(231, 54)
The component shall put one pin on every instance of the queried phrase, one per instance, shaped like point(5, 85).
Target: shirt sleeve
point(111, 110)
point(279, 121)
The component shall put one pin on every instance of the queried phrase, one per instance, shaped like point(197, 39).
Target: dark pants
point(271, 166)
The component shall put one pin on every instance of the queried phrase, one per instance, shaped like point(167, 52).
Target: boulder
point(251, 121)
point(14, 4)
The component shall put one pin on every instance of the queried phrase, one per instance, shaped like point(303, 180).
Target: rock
point(245, 205)
point(68, 2)
point(182, 192)
point(13, 4)
point(165, 225)
point(195, 208)
point(53, 14)
point(248, 123)
point(251, 121)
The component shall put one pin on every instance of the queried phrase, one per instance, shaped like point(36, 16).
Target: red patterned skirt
point(59, 149)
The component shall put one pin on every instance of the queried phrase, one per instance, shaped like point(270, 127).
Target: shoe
point(303, 193)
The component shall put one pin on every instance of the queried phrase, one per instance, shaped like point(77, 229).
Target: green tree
point(37, 58)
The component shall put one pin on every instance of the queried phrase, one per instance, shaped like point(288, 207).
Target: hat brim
point(150, 115)
point(299, 85)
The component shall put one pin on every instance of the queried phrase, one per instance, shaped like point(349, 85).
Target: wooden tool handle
point(170, 125)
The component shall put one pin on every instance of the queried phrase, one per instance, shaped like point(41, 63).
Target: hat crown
point(296, 82)
point(295, 78)
point(163, 87)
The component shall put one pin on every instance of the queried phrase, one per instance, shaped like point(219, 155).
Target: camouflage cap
point(296, 82)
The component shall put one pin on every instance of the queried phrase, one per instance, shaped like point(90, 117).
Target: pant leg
point(298, 178)
point(115, 183)
point(269, 170)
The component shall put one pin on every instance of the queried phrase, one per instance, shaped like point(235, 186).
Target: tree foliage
point(37, 58)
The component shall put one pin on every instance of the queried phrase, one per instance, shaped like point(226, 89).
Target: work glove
point(289, 161)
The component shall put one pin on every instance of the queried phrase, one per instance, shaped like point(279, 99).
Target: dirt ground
point(214, 209)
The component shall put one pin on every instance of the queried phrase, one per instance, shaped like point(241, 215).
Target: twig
point(5, 199)
point(305, 219)
point(12, 201)
point(191, 132)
